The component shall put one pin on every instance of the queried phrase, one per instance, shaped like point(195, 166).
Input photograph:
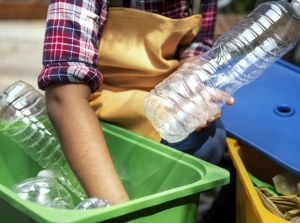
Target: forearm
point(82, 141)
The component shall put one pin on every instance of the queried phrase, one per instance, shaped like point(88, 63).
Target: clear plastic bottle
point(23, 119)
point(44, 191)
point(189, 96)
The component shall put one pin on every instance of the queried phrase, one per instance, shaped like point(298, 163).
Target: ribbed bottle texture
point(192, 94)
point(24, 120)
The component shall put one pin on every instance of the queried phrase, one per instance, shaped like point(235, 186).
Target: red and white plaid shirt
point(74, 28)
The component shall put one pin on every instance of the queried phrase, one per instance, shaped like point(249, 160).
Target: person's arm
point(69, 75)
point(82, 140)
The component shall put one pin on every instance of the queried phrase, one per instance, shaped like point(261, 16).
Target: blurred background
point(22, 25)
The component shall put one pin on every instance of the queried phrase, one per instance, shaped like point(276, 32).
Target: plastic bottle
point(23, 119)
point(189, 96)
point(44, 191)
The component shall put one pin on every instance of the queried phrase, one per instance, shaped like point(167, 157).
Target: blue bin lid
point(266, 115)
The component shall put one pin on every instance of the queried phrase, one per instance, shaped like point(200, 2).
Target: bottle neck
point(295, 8)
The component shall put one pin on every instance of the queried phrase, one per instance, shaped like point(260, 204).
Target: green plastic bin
point(165, 184)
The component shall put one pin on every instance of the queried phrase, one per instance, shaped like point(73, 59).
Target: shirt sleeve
point(70, 54)
point(205, 38)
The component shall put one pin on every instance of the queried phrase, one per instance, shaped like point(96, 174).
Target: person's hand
point(218, 96)
point(216, 116)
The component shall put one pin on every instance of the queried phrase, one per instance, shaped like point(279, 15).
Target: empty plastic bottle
point(44, 191)
point(191, 95)
point(23, 119)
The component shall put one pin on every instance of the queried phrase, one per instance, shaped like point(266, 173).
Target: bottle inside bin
point(24, 120)
point(188, 97)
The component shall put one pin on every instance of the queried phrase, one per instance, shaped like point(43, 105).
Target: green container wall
point(164, 184)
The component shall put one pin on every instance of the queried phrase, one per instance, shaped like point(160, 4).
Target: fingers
point(216, 95)
point(230, 101)
point(216, 116)
point(207, 123)
point(221, 96)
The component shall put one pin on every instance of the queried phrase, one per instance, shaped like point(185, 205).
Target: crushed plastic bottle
point(188, 97)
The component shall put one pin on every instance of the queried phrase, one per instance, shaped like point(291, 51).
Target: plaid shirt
point(74, 28)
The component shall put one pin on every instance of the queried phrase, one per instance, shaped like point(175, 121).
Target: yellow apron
point(136, 53)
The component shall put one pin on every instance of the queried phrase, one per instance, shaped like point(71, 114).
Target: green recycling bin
point(164, 184)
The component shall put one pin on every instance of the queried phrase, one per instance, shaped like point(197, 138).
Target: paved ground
point(21, 45)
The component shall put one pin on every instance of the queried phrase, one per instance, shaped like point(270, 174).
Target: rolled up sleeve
point(70, 54)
